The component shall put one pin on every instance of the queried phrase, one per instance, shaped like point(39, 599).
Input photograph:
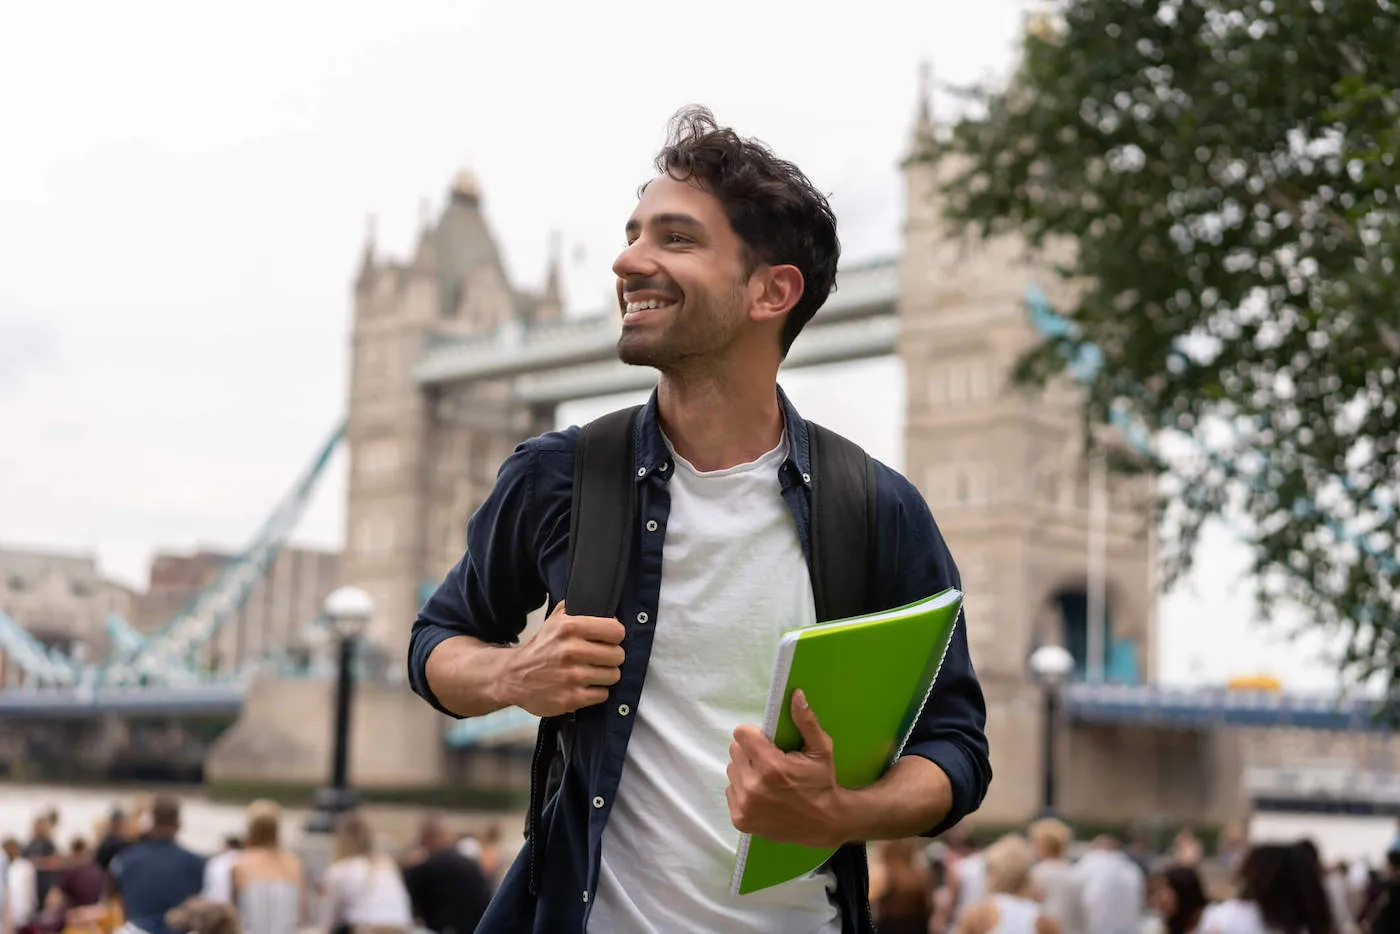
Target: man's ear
point(779, 288)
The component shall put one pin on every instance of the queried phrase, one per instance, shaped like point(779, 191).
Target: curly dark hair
point(1285, 882)
point(779, 215)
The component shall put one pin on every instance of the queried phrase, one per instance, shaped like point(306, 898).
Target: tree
point(1224, 176)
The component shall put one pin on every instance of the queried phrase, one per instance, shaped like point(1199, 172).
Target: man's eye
point(677, 238)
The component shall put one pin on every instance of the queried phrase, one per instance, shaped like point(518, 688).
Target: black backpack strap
point(843, 525)
point(600, 542)
point(844, 581)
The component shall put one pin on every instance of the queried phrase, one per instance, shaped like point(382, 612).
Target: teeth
point(643, 306)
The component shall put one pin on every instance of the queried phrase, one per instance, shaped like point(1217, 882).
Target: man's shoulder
point(559, 441)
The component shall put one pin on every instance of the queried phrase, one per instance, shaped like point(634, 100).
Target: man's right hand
point(568, 664)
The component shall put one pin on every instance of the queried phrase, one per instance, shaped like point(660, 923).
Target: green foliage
point(1226, 174)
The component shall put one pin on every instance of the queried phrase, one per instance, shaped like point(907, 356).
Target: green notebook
point(867, 679)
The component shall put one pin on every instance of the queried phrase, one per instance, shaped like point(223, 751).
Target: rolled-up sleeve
point(497, 582)
point(951, 729)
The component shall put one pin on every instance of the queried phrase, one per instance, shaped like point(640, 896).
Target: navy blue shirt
point(154, 876)
point(516, 558)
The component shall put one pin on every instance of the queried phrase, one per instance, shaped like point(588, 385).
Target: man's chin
point(635, 352)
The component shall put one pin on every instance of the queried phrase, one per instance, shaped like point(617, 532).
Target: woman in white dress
point(362, 889)
point(1008, 907)
point(269, 888)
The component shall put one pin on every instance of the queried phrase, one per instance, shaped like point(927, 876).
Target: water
point(205, 823)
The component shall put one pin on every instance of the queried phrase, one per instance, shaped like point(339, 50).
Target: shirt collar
point(653, 457)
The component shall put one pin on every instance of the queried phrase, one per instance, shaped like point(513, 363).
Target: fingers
point(601, 676)
point(751, 743)
point(814, 738)
point(590, 628)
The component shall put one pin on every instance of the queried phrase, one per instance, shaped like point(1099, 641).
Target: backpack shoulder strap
point(843, 525)
point(604, 503)
point(600, 543)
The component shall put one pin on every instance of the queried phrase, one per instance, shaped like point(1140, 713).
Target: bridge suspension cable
point(37, 661)
point(168, 656)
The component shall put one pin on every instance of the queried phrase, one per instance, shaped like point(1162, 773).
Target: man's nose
point(635, 260)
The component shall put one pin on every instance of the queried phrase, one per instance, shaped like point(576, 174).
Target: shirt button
point(651, 525)
point(585, 896)
point(642, 617)
point(623, 710)
point(806, 478)
point(641, 471)
point(664, 465)
point(598, 801)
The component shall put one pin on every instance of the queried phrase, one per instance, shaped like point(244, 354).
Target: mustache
point(650, 284)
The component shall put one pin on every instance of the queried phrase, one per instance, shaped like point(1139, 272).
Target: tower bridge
point(452, 365)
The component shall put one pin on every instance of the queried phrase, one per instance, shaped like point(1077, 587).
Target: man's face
point(681, 284)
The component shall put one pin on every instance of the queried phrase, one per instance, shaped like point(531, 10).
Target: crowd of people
point(140, 879)
point(1045, 882)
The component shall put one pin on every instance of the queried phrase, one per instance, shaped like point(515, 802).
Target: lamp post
point(348, 610)
point(1050, 666)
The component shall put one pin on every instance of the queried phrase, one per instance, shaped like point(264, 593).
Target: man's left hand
point(787, 797)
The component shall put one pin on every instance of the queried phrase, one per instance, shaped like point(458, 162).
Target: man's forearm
point(466, 675)
point(911, 797)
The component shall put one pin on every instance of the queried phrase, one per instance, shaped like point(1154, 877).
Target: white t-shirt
point(1114, 892)
point(364, 891)
point(733, 579)
point(1235, 916)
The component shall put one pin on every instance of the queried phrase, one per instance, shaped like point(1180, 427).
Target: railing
point(1211, 707)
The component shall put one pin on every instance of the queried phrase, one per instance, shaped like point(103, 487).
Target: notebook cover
point(866, 679)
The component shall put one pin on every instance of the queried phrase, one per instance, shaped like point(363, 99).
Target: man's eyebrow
point(670, 219)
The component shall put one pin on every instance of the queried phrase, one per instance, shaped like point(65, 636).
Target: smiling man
point(730, 252)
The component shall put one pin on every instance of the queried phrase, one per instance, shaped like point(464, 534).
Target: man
point(120, 832)
point(1113, 889)
point(43, 853)
point(155, 874)
point(729, 253)
point(448, 890)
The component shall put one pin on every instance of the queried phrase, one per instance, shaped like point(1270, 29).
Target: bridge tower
point(1004, 472)
point(420, 462)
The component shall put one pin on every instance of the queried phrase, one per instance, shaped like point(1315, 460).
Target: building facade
point(62, 600)
point(288, 597)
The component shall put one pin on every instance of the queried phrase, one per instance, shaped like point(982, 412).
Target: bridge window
point(17, 583)
point(1073, 609)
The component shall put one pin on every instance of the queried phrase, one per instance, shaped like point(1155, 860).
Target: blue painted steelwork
point(37, 661)
point(169, 656)
point(1204, 708)
point(122, 636)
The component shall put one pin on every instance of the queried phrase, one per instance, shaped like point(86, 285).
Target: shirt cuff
point(426, 638)
point(955, 763)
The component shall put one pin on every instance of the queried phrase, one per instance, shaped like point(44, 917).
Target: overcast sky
point(183, 195)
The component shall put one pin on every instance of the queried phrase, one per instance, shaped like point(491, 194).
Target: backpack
point(602, 530)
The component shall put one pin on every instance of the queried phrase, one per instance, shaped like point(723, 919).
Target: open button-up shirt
point(517, 556)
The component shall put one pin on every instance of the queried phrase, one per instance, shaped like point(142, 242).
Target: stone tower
point(419, 462)
point(1004, 472)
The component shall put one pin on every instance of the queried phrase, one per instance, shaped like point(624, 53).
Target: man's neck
point(716, 422)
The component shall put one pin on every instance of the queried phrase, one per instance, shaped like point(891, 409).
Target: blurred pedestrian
point(1279, 893)
point(156, 874)
point(362, 889)
point(1176, 896)
point(1008, 907)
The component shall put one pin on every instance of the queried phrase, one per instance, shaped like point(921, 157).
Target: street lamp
point(348, 610)
point(1051, 666)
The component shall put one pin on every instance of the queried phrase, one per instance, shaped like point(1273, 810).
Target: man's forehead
point(667, 195)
